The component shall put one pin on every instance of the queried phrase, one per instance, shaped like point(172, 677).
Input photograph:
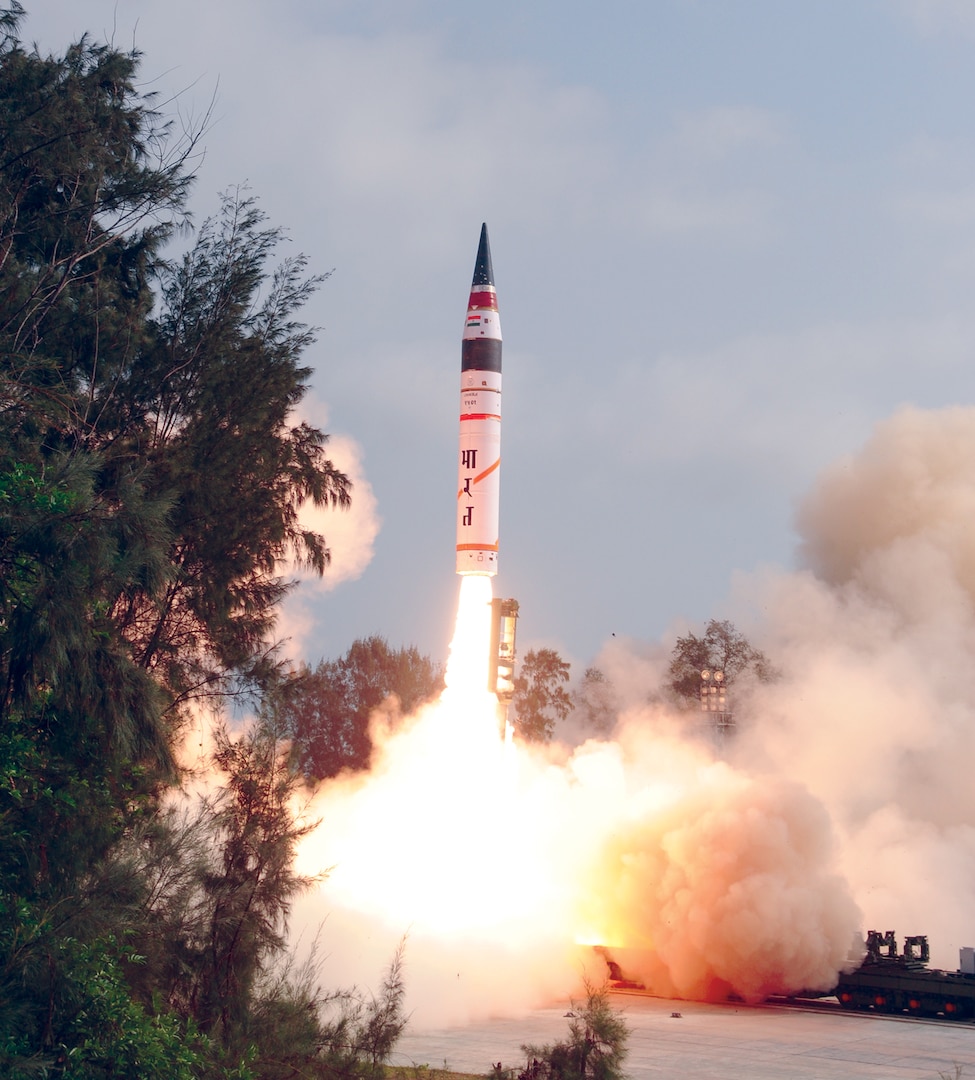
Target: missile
point(478, 487)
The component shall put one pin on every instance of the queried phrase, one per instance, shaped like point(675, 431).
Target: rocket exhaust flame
point(466, 677)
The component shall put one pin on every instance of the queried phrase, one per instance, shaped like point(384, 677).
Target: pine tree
point(595, 1049)
point(327, 711)
point(151, 474)
point(722, 648)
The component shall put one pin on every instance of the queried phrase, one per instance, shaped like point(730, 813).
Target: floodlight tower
point(714, 702)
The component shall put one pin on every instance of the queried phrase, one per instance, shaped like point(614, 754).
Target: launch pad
point(734, 1042)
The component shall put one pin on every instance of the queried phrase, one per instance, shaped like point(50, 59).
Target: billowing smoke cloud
point(875, 710)
point(505, 866)
point(722, 882)
point(843, 803)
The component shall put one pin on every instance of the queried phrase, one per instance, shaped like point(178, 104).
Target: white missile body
point(479, 476)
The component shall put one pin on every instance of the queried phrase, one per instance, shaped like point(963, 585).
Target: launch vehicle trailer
point(903, 983)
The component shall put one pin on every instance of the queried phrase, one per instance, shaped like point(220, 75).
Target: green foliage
point(215, 886)
point(246, 896)
point(65, 555)
point(151, 475)
point(216, 394)
point(105, 1032)
point(359, 1031)
point(168, 439)
point(212, 895)
point(327, 711)
point(540, 699)
point(722, 648)
point(90, 185)
point(595, 1049)
point(92, 1025)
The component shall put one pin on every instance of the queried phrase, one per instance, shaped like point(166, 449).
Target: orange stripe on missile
point(478, 547)
point(480, 476)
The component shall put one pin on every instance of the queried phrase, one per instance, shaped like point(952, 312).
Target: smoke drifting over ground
point(844, 802)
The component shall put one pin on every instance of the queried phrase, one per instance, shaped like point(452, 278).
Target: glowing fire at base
point(437, 815)
point(497, 858)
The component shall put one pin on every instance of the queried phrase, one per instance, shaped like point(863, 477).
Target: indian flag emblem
point(473, 321)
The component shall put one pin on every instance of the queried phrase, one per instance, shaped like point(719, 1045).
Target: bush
point(594, 1050)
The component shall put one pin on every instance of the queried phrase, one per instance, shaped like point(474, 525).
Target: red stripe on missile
point(484, 300)
point(480, 416)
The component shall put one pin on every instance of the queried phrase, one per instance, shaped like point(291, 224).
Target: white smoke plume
point(875, 710)
point(843, 803)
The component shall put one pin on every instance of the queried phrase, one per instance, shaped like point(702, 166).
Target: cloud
point(678, 211)
point(954, 208)
point(775, 403)
point(714, 133)
point(940, 16)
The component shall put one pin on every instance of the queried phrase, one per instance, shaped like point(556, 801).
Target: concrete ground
point(724, 1042)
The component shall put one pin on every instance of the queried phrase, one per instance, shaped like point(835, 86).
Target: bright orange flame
point(436, 835)
point(467, 667)
point(507, 855)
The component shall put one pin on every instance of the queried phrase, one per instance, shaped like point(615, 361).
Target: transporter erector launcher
point(478, 486)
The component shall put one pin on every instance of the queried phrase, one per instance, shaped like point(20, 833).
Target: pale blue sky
point(728, 238)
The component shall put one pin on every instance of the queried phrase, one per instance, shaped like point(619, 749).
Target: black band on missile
point(480, 354)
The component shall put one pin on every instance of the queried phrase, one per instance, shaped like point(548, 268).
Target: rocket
point(478, 485)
